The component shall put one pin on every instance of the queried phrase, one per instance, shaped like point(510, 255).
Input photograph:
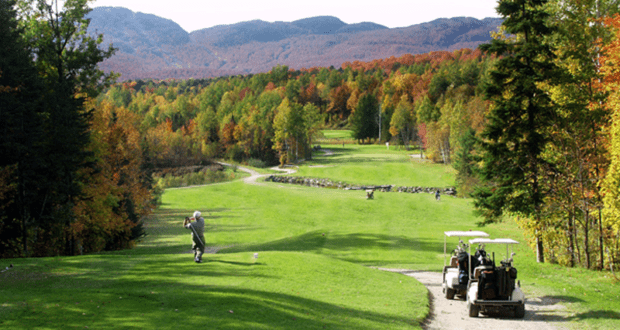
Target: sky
point(194, 15)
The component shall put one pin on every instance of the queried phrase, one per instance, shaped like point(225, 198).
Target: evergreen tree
point(518, 128)
point(66, 59)
point(363, 121)
point(21, 138)
point(465, 163)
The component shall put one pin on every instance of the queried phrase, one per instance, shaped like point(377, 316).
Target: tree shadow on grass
point(316, 240)
point(598, 314)
point(553, 300)
point(310, 241)
point(117, 292)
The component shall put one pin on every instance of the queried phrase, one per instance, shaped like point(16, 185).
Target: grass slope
point(314, 247)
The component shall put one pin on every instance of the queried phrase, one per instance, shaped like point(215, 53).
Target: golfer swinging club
point(197, 227)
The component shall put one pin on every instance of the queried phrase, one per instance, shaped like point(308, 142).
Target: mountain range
point(153, 47)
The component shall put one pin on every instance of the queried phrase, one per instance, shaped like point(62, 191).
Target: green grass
point(315, 251)
point(338, 134)
point(376, 165)
point(330, 137)
point(275, 291)
point(380, 232)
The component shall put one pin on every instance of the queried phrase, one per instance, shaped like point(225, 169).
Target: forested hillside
point(157, 48)
point(426, 100)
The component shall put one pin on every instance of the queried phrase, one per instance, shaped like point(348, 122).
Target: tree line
point(274, 117)
point(73, 177)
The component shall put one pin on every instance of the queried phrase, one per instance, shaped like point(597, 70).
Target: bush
point(256, 163)
point(204, 176)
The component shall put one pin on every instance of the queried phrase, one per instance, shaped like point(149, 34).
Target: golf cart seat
point(454, 261)
point(479, 271)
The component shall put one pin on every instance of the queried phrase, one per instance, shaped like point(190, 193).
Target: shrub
point(256, 163)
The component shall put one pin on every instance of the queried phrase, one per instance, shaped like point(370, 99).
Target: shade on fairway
point(318, 250)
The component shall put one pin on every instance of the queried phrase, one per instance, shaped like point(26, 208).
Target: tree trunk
point(540, 252)
point(575, 236)
point(571, 241)
point(600, 240)
point(25, 237)
point(540, 256)
point(586, 239)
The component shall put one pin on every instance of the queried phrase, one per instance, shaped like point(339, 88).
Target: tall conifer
point(21, 113)
point(522, 113)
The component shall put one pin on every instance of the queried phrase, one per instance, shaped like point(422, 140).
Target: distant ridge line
point(153, 47)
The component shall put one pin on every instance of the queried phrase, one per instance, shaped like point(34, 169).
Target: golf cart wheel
point(473, 309)
point(450, 293)
point(520, 311)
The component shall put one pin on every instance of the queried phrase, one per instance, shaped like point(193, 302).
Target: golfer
point(198, 239)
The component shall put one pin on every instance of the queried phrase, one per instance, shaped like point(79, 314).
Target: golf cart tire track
point(453, 314)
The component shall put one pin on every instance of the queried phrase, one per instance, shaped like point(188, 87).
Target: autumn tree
point(117, 189)
point(403, 122)
point(611, 186)
point(580, 35)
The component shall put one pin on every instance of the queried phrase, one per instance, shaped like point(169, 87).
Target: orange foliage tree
point(118, 195)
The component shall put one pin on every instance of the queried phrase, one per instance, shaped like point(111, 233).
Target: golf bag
point(487, 287)
point(506, 276)
point(463, 258)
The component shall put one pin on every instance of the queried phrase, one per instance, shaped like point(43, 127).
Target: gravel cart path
point(540, 313)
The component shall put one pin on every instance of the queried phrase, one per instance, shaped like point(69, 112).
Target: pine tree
point(518, 129)
point(363, 120)
point(66, 59)
point(21, 137)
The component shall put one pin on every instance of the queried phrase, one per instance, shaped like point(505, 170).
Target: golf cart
point(455, 275)
point(492, 288)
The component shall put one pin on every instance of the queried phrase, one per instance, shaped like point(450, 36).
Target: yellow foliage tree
point(611, 186)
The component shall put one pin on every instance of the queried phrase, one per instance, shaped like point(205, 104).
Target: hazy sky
point(199, 14)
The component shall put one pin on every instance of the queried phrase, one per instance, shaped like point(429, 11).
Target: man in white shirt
point(198, 239)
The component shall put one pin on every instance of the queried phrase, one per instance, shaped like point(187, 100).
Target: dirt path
point(540, 313)
point(252, 179)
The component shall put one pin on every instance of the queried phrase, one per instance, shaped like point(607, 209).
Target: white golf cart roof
point(468, 233)
point(459, 234)
point(492, 241)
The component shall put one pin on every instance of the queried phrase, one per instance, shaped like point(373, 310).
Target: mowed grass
point(317, 250)
point(337, 134)
point(231, 291)
point(376, 165)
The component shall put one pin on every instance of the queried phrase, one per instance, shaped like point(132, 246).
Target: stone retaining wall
point(326, 183)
